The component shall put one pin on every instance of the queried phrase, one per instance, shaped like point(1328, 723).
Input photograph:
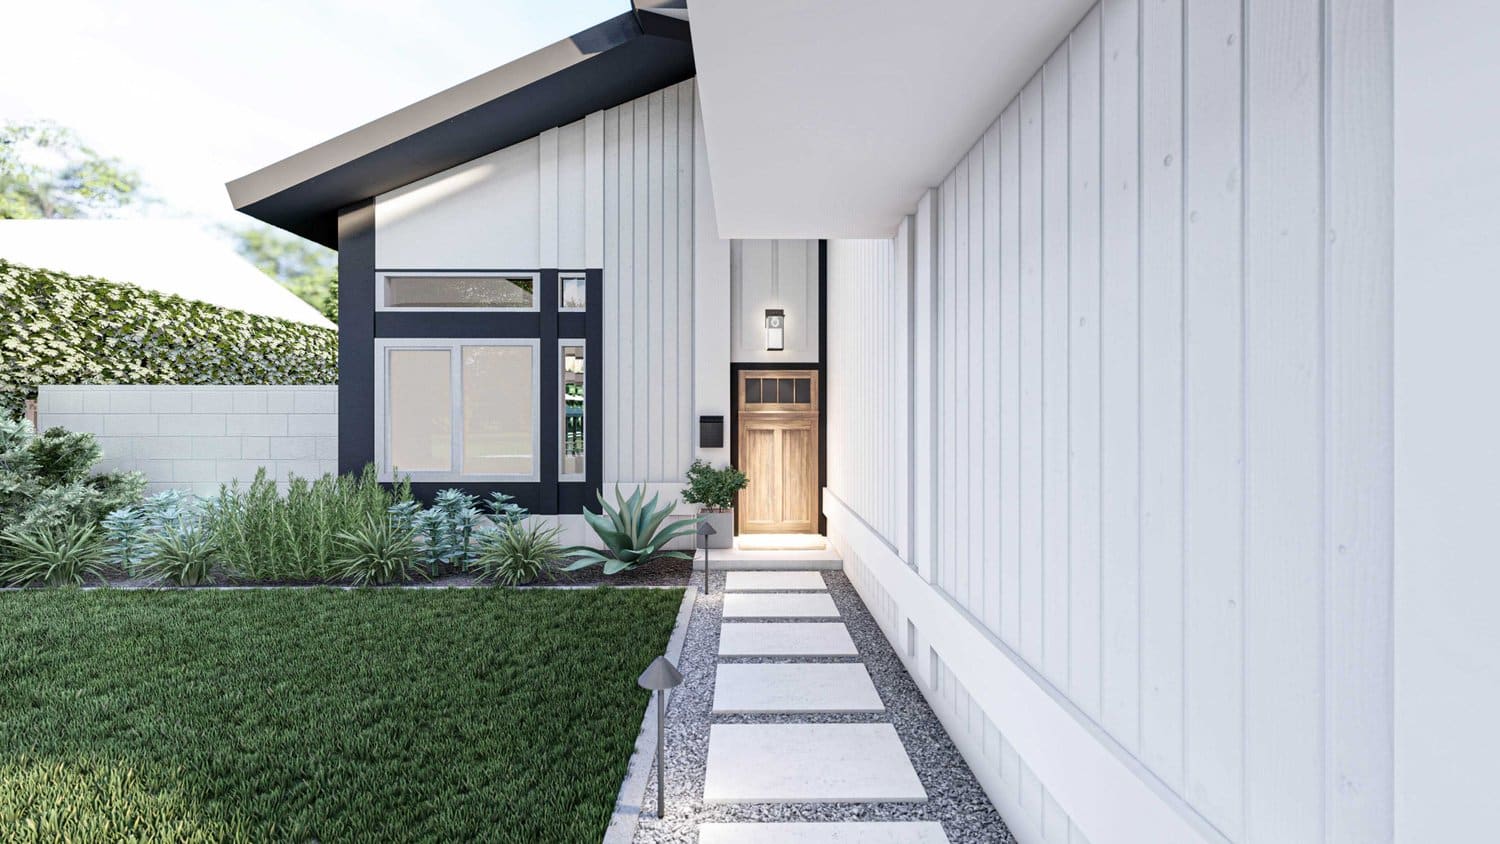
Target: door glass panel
point(804, 391)
point(572, 410)
point(419, 407)
point(752, 391)
point(786, 392)
point(498, 416)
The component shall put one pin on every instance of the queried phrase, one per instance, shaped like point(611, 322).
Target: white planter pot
point(723, 525)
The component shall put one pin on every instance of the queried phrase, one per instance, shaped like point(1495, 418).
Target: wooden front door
point(778, 433)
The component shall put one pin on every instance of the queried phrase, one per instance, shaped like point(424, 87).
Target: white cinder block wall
point(1149, 591)
point(196, 437)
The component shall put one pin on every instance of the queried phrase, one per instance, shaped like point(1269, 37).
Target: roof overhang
point(616, 61)
point(830, 119)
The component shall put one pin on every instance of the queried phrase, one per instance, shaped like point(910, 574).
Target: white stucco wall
point(197, 437)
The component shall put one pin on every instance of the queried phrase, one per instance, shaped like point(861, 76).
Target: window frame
point(382, 277)
point(562, 410)
point(454, 346)
point(562, 277)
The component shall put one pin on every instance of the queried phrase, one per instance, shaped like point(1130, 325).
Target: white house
point(1136, 356)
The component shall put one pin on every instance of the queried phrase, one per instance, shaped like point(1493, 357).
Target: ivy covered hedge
point(57, 328)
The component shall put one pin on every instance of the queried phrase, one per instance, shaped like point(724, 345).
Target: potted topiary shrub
point(713, 490)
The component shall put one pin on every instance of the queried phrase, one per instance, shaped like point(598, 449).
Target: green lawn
point(300, 715)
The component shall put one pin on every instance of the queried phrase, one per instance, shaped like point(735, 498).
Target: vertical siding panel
point(1083, 365)
point(625, 317)
point(1161, 390)
point(1214, 379)
point(593, 190)
point(1054, 332)
point(547, 198)
point(641, 387)
point(1359, 770)
point(949, 227)
point(1284, 422)
point(974, 416)
point(610, 257)
point(1120, 374)
point(963, 390)
point(669, 377)
point(653, 386)
point(990, 377)
point(686, 115)
point(1011, 527)
point(1030, 593)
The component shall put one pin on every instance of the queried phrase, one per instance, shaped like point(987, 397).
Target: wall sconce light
point(775, 329)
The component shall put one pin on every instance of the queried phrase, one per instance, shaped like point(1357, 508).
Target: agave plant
point(632, 532)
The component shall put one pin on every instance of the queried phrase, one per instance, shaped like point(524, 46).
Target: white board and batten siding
point(773, 274)
point(1150, 493)
point(613, 191)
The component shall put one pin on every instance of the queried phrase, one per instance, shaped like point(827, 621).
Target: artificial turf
point(321, 715)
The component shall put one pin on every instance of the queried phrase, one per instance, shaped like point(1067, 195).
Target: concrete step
point(735, 559)
point(846, 832)
point(779, 605)
point(786, 639)
point(793, 688)
point(774, 581)
point(809, 763)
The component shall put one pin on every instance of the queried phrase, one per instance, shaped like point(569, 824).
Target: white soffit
point(829, 119)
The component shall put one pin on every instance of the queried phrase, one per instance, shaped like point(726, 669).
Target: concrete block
point(130, 424)
point(327, 448)
point(249, 401)
point(194, 424)
point(190, 471)
point(124, 400)
point(119, 448)
point(315, 401)
point(255, 448)
point(313, 424)
point(308, 469)
point(259, 424)
point(163, 447)
point(95, 401)
point(59, 400)
point(241, 470)
point(278, 401)
point(174, 400)
point(88, 423)
point(212, 400)
point(156, 471)
point(293, 448)
point(809, 763)
point(213, 448)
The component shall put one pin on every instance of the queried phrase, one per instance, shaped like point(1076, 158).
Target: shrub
point(516, 554)
point(449, 526)
point(45, 481)
point(504, 510)
point(633, 533)
point(64, 329)
point(181, 553)
point(53, 556)
point(382, 550)
point(713, 489)
point(265, 536)
point(128, 530)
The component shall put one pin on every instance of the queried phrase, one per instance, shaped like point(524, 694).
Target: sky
point(195, 93)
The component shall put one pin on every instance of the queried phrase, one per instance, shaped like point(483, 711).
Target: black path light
point(659, 676)
point(705, 530)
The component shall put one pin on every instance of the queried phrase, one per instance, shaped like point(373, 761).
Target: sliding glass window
point(451, 410)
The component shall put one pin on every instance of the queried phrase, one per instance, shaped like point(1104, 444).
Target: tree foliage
point(303, 267)
point(48, 172)
point(62, 329)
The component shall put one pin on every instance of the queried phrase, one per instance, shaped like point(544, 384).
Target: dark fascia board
point(614, 62)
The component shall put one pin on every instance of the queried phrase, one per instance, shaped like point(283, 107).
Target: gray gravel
point(954, 797)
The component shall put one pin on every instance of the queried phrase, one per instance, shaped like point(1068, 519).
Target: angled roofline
point(607, 64)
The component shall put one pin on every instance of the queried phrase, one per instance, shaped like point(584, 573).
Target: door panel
point(778, 451)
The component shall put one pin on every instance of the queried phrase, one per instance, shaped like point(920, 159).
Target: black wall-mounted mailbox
point(710, 432)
